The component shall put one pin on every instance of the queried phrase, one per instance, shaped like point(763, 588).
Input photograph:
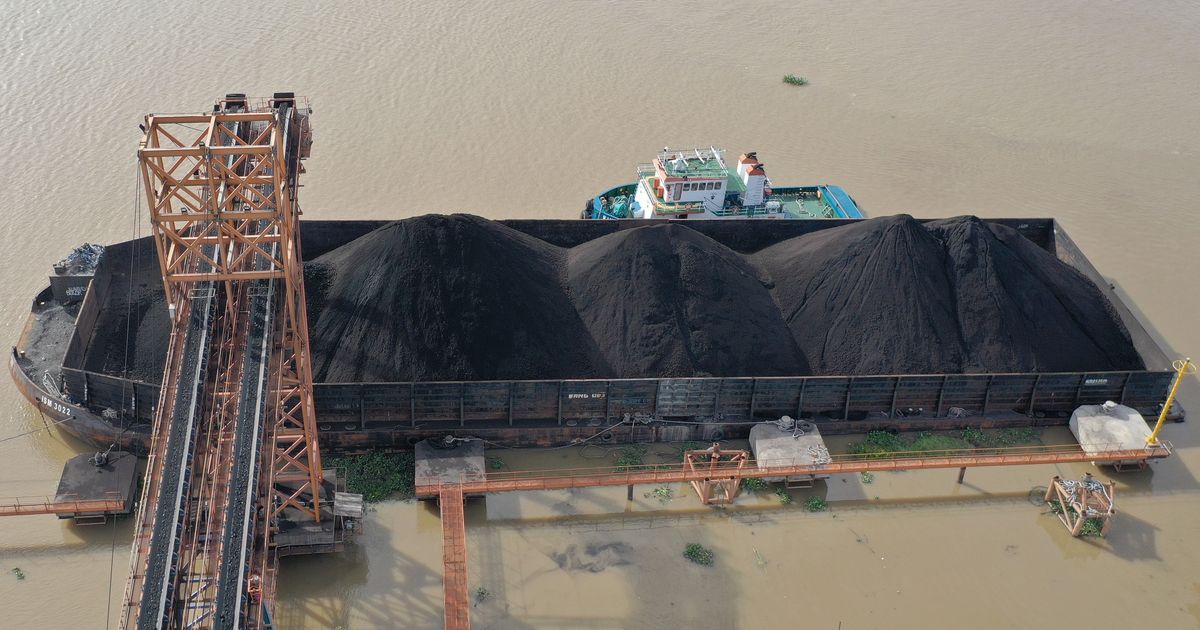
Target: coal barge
point(55, 365)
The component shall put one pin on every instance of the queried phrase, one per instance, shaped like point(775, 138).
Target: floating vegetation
point(482, 595)
point(815, 504)
point(699, 554)
point(868, 477)
point(785, 498)
point(755, 484)
point(630, 456)
point(378, 475)
point(990, 438)
point(19, 573)
point(1092, 527)
point(689, 446)
point(495, 463)
point(664, 494)
point(792, 79)
point(881, 444)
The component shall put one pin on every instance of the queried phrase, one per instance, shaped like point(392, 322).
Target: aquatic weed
point(699, 554)
point(755, 484)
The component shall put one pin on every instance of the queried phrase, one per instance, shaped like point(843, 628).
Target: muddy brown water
point(1084, 111)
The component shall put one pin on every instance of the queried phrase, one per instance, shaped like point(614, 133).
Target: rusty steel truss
point(209, 189)
point(221, 190)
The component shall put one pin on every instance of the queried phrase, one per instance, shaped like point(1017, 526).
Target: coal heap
point(873, 297)
point(1020, 309)
point(665, 300)
point(444, 298)
point(893, 296)
point(463, 298)
point(132, 328)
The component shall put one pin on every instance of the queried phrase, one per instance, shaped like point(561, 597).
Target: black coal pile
point(444, 298)
point(869, 298)
point(891, 296)
point(462, 298)
point(132, 328)
point(666, 300)
point(1021, 309)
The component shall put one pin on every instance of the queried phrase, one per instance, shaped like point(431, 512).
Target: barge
point(104, 407)
point(698, 184)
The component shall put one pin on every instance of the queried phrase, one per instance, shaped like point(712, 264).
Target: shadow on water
point(401, 592)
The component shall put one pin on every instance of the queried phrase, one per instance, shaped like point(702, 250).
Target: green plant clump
point(378, 475)
point(988, 438)
point(482, 595)
point(630, 456)
point(699, 554)
point(1091, 527)
point(868, 477)
point(816, 504)
point(792, 79)
point(877, 444)
point(663, 493)
point(19, 573)
point(784, 497)
point(754, 484)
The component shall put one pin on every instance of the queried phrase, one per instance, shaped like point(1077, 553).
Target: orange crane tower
point(234, 441)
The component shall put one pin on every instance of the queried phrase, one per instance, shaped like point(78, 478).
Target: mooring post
point(962, 472)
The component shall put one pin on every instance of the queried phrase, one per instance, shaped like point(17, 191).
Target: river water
point(1084, 111)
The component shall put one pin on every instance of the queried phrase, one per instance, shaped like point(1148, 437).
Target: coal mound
point(132, 328)
point(444, 298)
point(665, 300)
point(893, 296)
point(1021, 309)
point(463, 298)
point(869, 298)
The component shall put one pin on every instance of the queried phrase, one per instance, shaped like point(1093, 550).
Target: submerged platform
point(440, 462)
point(789, 442)
point(105, 480)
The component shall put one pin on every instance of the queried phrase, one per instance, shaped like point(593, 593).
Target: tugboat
point(697, 184)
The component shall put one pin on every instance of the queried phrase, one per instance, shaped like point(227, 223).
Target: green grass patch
point(925, 441)
point(699, 554)
point(882, 444)
point(792, 79)
point(815, 504)
point(1092, 527)
point(630, 456)
point(377, 475)
point(754, 484)
point(664, 494)
point(999, 438)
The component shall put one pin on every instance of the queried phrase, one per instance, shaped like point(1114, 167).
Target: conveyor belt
point(157, 585)
point(237, 538)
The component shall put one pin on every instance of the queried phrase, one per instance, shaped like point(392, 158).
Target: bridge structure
point(711, 469)
point(234, 462)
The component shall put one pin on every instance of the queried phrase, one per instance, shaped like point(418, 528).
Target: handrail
point(61, 504)
point(506, 481)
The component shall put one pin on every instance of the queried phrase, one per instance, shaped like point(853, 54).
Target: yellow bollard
point(1181, 368)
